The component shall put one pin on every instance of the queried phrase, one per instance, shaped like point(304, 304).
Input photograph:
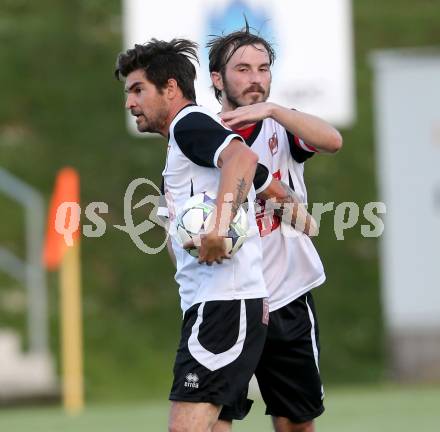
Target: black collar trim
point(255, 133)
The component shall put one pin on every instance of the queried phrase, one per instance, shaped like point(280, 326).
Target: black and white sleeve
point(299, 150)
point(201, 139)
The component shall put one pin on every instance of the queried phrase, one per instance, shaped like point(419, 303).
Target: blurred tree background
point(62, 106)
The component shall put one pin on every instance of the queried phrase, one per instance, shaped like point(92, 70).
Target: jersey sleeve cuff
point(265, 185)
point(308, 148)
point(226, 142)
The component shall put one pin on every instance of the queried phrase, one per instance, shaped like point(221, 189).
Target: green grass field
point(368, 409)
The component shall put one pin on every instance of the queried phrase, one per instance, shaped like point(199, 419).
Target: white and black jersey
point(288, 370)
point(196, 139)
point(291, 264)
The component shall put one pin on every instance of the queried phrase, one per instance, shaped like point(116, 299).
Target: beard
point(154, 123)
point(236, 99)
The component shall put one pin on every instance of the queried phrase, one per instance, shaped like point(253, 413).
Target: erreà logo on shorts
point(192, 381)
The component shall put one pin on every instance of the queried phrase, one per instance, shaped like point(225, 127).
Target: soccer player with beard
point(288, 371)
point(225, 312)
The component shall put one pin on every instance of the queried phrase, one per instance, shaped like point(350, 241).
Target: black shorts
point(219, 349)
point(288, 372)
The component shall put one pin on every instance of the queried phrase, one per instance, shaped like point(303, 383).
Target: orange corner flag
point(63, 221)
point(62, 251)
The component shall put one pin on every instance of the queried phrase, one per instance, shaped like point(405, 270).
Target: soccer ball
point(197, 214)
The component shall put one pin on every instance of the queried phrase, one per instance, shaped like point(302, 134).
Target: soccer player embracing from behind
point(288, 371)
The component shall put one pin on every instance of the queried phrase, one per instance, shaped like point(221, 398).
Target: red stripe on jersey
point(307, 147)
point(311, 148)
point(246, 132)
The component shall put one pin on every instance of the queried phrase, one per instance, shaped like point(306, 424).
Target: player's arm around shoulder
point(311, 129)
point(244, 116)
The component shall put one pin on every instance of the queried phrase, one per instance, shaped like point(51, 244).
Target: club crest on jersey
point(192, 381)
point(273, 144)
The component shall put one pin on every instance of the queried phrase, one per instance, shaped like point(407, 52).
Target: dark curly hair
point(222, 48)
point(161, 61)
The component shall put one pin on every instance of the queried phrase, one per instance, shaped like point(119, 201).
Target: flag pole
point(71, 330)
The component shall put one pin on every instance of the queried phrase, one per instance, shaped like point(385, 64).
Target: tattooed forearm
point(240, 196)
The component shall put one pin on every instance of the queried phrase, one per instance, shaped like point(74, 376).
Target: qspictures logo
point(162, 212)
